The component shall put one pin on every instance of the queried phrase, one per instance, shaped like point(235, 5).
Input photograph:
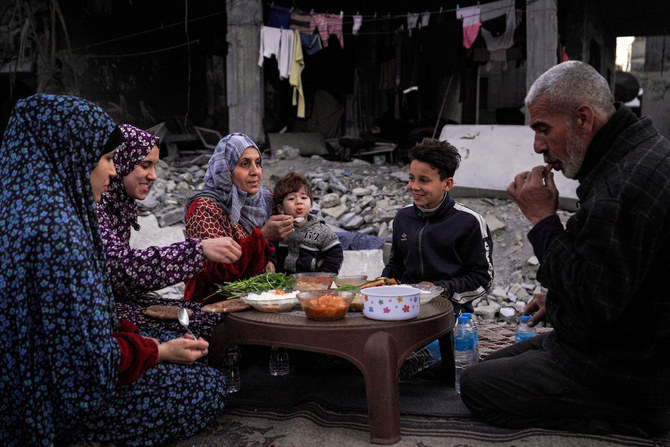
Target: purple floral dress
point(134, 272)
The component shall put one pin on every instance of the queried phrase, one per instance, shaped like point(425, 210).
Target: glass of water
point(279, 365)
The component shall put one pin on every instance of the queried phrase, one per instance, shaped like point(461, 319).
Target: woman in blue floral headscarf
point(69, 370)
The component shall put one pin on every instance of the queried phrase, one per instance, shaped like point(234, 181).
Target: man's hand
point(277, 228)
point(221, 249)
point(536, 199)
point(537, 308)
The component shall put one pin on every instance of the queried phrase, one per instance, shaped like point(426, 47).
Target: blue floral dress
point(59, 359)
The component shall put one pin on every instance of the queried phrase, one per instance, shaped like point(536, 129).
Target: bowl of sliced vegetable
point(352, 284)
point(313, 281)
point(325, 305)
point(355, 280)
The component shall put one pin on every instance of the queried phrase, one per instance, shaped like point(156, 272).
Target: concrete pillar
point(541, 40)
point(244, 78)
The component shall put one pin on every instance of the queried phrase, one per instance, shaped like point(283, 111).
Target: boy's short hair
point(439, 154)
point(291, 182)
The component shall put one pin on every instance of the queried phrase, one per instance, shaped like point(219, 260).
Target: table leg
point(447, 355)
point(380, 362)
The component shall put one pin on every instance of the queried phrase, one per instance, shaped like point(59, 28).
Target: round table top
point(437, 307)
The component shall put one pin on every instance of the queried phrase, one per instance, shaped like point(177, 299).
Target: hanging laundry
point(498, 21)
point(311, 43)
point(327, 24)
point(425, 19)
point(279, 43)
point(270, 38)
point(470, 16)
point(280, 17)
point(499, 57)
point(300, 21)
point(412, 21)
point(358, 21)
point(295, 79)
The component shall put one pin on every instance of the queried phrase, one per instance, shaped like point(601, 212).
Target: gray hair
point(569, 84)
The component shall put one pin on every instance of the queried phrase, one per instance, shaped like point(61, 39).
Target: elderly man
point(606, 365)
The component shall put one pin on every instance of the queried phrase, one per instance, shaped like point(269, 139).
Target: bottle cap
point(525, 318)
point(467, 314)
point(462, 319)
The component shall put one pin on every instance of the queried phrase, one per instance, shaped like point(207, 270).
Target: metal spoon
point(298, 219)
point(184, 320)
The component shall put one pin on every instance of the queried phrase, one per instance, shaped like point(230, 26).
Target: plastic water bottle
point(419, 360)
point(523, 331)
point(473, 323)
point(232, 371)
point(464, 342)
point(278, 361)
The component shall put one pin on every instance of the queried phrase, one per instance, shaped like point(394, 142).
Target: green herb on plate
point(255, 284)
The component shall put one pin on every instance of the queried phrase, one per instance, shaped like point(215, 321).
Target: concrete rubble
point(354, 196)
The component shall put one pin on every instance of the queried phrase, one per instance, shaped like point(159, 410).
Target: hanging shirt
point(280, 17)
point(295, 79)
point(425, 19)
point(311, 43)
point(412, 21)
point(300, 21)
point(491, 16)
point(471, 23)
point(327, 24)
point(279, 43)
point(358, 21)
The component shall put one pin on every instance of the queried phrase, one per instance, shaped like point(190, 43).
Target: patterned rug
point(266, 413)
point(312, 425)
point(299, 411)
point(495, 336)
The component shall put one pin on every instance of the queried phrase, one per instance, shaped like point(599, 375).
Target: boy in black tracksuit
point(437, 240)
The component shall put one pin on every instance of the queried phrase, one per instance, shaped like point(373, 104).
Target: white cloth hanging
point(491, 11)
point(279, 43)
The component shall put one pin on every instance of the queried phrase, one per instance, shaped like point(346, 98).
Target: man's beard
point(576, 150)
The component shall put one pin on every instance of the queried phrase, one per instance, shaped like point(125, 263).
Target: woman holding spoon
point(73, 372)
point(234, 204)
point(135, 272)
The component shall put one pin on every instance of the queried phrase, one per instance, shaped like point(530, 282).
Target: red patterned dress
point(204, 220)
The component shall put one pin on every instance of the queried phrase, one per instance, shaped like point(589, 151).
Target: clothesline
point(349, 18)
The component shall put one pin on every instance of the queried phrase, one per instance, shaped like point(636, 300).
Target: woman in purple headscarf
point(134, 272)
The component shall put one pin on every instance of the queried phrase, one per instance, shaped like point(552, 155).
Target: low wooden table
point(377, 348)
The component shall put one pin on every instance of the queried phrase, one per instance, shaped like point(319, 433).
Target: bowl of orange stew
point(325, 305)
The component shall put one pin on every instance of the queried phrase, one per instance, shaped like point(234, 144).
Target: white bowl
point(391, 302)
point(271, 301)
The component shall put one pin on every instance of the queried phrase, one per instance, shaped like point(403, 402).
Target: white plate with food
point(272, 300)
